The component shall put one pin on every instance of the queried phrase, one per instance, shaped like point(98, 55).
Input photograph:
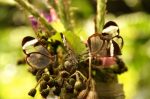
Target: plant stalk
point(100, 16)
point(107, 85)
point(34, 12)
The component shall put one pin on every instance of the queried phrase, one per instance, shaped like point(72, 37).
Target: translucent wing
point(30, 44)
point(113, 37)
point(98, 47)
point(37, 55)
point(38, 60)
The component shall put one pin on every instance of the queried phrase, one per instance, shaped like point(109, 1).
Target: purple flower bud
point(33, 22)
point(48, 17)
point(53, 14)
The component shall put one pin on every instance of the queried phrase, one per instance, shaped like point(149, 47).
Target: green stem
point(34, 12)
point(100, 16)
point(60, 8)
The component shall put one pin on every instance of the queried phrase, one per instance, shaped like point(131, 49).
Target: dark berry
point(46, 77)
point(43, 85)
point(51, 83)
point(44, 93)
point(32, 92)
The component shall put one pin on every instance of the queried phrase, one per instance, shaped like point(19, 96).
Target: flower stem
point(100, 16)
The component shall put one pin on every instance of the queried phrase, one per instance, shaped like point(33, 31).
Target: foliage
point(134, 28)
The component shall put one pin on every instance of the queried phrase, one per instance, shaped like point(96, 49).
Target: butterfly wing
point(36, 54)
point(38, 60)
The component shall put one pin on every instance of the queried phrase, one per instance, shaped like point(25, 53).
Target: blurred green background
point(133, 18)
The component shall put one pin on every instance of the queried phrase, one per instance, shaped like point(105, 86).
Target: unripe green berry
point(72, 81)
point(78, 85)
point(67, 64)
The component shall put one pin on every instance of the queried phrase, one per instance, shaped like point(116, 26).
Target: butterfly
point(107, 45)
point(37, 55)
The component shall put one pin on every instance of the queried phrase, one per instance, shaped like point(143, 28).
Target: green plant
point(67, 70)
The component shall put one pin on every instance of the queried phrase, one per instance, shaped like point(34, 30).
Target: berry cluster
point(55, 71)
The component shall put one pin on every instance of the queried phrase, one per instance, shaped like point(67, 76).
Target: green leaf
point(55, 37)
point(75, 42)
point(58, 26)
